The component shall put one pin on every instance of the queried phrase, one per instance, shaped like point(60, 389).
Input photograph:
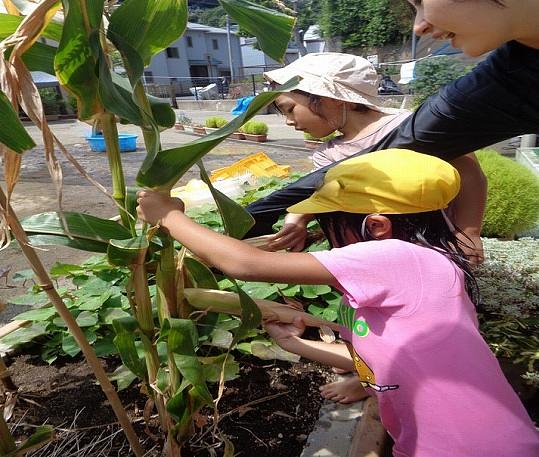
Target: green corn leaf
point(236, 220)
point(123, 377)
point(202, 277)
point(125, 342)
point(81, 227)
point(149, 26)
point(75, 61)
point(182, 339)
point(75, 243)
point(170, 165)
point(272, 29)
point(162, 112)
point(9, 23)
point(12, 133)
point(250, 316)
point(125, 252)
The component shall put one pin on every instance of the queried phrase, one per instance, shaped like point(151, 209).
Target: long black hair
point(429, 229)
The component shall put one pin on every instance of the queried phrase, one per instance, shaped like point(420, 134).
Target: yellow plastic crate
point(258, 164)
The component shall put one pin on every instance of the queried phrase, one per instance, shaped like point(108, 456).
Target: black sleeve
point(499, 99)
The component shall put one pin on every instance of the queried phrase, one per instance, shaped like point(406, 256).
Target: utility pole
point(229, 48)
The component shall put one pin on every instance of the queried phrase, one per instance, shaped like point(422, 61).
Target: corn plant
point(159, 341)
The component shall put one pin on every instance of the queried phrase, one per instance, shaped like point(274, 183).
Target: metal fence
point(203, 88)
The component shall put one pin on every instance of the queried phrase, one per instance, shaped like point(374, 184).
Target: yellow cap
point(393, 181)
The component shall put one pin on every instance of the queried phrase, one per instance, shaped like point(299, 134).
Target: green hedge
point(513, 196)
point(255, 128)
point(215, 122)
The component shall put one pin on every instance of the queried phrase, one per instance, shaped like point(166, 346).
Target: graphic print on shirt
point(347, 318)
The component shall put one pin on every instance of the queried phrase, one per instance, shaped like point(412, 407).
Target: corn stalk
point(139, 29)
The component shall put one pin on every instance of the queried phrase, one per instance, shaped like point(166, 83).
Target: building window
point(148, 77)
point(189, 42)
point(173, 53)
point(215, 44)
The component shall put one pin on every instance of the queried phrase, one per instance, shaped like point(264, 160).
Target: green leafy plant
point(52, 102)
point(215, 122)
point(512, 201)
point(435, 72)
point(309, 137)
point(255, 128)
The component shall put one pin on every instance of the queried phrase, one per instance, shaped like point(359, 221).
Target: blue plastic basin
point(127, 142)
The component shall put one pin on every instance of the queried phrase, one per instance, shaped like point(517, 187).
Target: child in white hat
point(408, 311)
point(339, 92)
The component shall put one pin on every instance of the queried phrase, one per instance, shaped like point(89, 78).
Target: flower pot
point(179, 126)
point(199, 130)
point(237, 136)
point(257, 138)
point(312, 144)
point(126, 141)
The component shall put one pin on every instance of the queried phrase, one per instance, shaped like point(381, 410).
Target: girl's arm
point(233, 257)
point(469, 206)
point(287, 336)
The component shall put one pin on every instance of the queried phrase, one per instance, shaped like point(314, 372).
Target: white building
point(202, 52)
point(256, 62)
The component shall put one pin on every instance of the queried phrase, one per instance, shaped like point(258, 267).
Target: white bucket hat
point(331, 74)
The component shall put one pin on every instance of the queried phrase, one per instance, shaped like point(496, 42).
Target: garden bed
point(268, 411)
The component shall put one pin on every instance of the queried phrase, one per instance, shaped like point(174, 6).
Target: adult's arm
point(497, 100)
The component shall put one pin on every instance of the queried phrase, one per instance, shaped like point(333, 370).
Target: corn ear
point(228, 302)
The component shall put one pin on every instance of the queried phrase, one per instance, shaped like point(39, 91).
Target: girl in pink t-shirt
point(407, 314)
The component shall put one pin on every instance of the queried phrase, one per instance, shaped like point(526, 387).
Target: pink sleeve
point(375, 273)
point(320, 159)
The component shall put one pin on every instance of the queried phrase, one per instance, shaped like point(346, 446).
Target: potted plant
point(199, 129)
point(181, 121)
point(214, 123)
point(255, 131)
point(312, 142)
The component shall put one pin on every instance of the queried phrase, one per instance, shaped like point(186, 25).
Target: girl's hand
point(293, 234)
point(283, 334)
point(153, 207)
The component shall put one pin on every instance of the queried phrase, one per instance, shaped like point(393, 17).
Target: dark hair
point(427, 229)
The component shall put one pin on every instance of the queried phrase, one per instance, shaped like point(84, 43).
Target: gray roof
point(206, 28)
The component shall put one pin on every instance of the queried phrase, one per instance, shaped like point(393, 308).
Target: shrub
point(309, 137)
point(433, 73)
point(52, 101)
point(255, 128)
point(215, 122)
point(513, 196)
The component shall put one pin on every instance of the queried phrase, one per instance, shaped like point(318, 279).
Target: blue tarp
point(242, 104)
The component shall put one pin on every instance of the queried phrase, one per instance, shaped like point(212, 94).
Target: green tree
point(435, 72)
point(365, 22)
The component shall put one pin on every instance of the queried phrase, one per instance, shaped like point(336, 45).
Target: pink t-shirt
point(414, 330)
point(337, 149)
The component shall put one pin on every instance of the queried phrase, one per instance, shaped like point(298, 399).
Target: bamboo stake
point(47, 285)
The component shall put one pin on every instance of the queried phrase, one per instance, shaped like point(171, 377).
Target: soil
point(269, 410)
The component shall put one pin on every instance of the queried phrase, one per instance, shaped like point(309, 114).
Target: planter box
point(179, 126)
point(237, 136)
point(257, 138)
point(311, 144)
point(199, 130)
point(529, 157)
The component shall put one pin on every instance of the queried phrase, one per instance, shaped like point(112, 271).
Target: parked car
point(388, 87)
